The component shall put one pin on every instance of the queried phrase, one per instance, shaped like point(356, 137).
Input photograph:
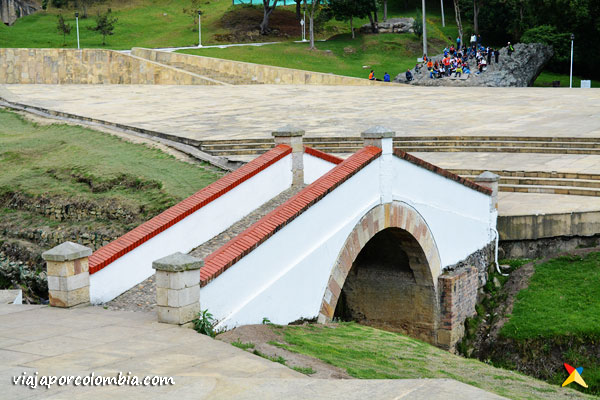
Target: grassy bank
point(546, 78)
point(369, 353)
point(557, 319)
point(71, 161)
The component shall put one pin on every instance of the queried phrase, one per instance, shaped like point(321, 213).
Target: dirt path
point(261, 335)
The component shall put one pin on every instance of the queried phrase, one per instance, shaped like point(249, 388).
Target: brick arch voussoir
point(389, 215)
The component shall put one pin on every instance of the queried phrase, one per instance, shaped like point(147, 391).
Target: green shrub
point(204, 323)
point(549, 35)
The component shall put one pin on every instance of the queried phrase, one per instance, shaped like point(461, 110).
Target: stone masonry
point(68, 274)
point(458, 297)
point(177, 288)
point(292, 137)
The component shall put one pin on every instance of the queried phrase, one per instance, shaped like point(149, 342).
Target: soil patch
point(244, 25)
point(264, 337)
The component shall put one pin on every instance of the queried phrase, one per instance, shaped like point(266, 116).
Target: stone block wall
point(458, 297)
point(88, 66)
point(252, 72)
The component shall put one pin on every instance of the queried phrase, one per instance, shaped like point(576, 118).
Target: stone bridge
point(381, 237)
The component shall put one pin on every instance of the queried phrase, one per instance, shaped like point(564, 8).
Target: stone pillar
point(177, 288)
point(490, 180)
point(382, 137)
point(68, 274)
point(292, 136)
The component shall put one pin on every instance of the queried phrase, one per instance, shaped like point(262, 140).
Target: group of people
point(457, 61)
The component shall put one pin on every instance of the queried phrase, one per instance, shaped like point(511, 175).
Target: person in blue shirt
point(386, 77)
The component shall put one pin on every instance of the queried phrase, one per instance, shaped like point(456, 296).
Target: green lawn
point(75, 162)
point(563, 298)
point(142, 23)
point(546, 78)
point(369, 353)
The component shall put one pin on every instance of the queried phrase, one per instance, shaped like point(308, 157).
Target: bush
point(204, 323)
point(548, 34)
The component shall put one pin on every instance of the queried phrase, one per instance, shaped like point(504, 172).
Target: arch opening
point(387, 286)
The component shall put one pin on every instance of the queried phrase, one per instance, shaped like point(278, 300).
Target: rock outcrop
point(11, 10)
point(392, 25)
point(518, 70)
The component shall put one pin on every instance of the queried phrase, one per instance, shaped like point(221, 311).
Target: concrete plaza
point(242, 112)
point(77, 342)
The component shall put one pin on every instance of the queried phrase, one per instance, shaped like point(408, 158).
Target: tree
point(63, 28)
point(373, 16)
point(85, 4)
point(458, 20)
point(476, 6)
point(268, 10)
point(105, 25)
point(418, 24)
point(347, 10)
point(298, 9)
point(311, 21)
point(192, 11)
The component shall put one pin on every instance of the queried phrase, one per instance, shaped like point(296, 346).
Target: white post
point(77, 25)
point(304, 27)
point(424, 31)
point(571, 73)
point(443, 19)
point(199, 28)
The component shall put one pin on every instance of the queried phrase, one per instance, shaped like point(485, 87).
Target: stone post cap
point(378, 132)
point(178, 262)
point(67, 251)
point(288, 131)
point(487, 176)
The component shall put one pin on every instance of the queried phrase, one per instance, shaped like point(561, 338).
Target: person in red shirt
point(372, 76)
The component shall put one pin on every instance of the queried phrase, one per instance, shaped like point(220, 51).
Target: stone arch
point(404, 224)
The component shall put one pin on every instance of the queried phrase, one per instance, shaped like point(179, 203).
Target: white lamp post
point(77, 25)
point(199, 29)
point(443, 19)
point(303, 23)
point(424, 31)
point(571, 74)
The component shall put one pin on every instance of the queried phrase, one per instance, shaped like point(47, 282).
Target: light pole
point(77, 25)
point(199, 28)
point(424, 30)
point(303, 23)
point(571, 74)
point(443, 19)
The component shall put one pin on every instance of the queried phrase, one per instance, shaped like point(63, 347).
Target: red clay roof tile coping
point(240, 246)
point(440, 171)
point(134, 238)
point(322, 155)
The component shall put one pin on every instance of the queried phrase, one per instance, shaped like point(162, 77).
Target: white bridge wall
point(314, 168)
point(207, 222)
point(285, 278)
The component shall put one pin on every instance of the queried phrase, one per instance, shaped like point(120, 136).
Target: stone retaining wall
point(257, 73)
point(88, 66)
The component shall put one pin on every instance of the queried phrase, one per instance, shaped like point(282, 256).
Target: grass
point(305, 370)
point(243, 346)
point(142, 23)
point(546, 78)
point(75, 162)
point(369, 353)
point(563, 299)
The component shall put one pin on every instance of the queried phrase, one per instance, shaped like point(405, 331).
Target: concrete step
point(566, 190)
point(529, 174)
point(477, 149)
point(521, 181)
point(498, 143)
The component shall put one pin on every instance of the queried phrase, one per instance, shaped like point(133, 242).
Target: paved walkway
point(80, 341)
point(242, 112)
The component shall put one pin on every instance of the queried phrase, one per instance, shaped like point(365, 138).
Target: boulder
point(392, 25)
point(10, 10)
point(519, 70)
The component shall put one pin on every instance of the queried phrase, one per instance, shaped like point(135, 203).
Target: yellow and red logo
point(574, 376)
